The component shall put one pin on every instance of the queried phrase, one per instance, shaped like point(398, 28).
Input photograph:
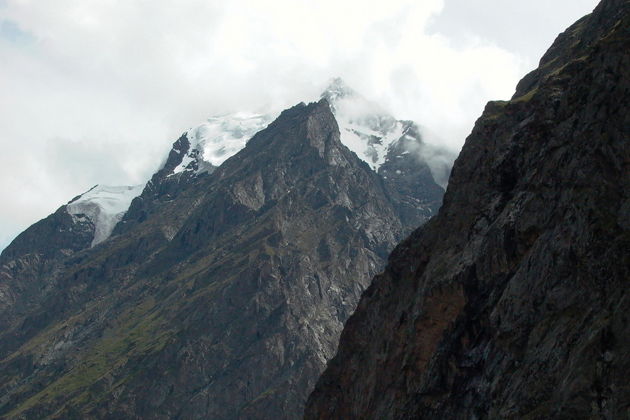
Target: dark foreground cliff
point(513, 302)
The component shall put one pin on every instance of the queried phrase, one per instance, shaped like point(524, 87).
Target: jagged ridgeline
point(220, 290)
point(512, 303)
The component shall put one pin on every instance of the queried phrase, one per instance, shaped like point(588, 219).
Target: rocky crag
point(513, 301)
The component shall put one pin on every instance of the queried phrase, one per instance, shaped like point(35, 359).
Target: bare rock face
point(27, 261)
point(164, 185)
point(219, 295)
point(513, 302)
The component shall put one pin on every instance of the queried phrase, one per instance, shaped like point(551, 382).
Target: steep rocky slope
point(221, 294)
point(28, 257)
point(85, 221)
point(513, 302)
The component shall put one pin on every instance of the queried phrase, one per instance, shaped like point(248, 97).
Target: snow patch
point(220, 138)
point(364, 127)
point(105, 206)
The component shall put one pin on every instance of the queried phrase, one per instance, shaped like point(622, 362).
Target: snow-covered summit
point(337, 89)
point(365, 127)
point(219, 138)
point(104, 206)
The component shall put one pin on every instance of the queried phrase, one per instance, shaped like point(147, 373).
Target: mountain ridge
point(186, 158)
point(219, 294)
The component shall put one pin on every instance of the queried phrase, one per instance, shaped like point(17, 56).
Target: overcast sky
point(96, 91)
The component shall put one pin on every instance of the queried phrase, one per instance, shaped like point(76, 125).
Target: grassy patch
point(527, 96)
point(137, 332)
point(494, 110)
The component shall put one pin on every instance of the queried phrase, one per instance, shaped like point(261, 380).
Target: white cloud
point(95, 91)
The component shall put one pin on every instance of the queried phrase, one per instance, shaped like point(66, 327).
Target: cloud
point(11, 32)
point(527, 27)
point(95, 91)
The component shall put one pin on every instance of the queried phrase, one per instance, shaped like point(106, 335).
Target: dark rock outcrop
point(513, 302)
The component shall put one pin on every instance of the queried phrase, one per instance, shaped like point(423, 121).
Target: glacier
point(104, 206)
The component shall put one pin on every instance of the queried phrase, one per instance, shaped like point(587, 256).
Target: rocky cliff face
point(26, 261)
point(220, 295)
point(513, 302)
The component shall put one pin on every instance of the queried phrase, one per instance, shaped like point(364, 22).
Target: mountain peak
point(337, 88)
point(365, 127)
point(218, 138)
